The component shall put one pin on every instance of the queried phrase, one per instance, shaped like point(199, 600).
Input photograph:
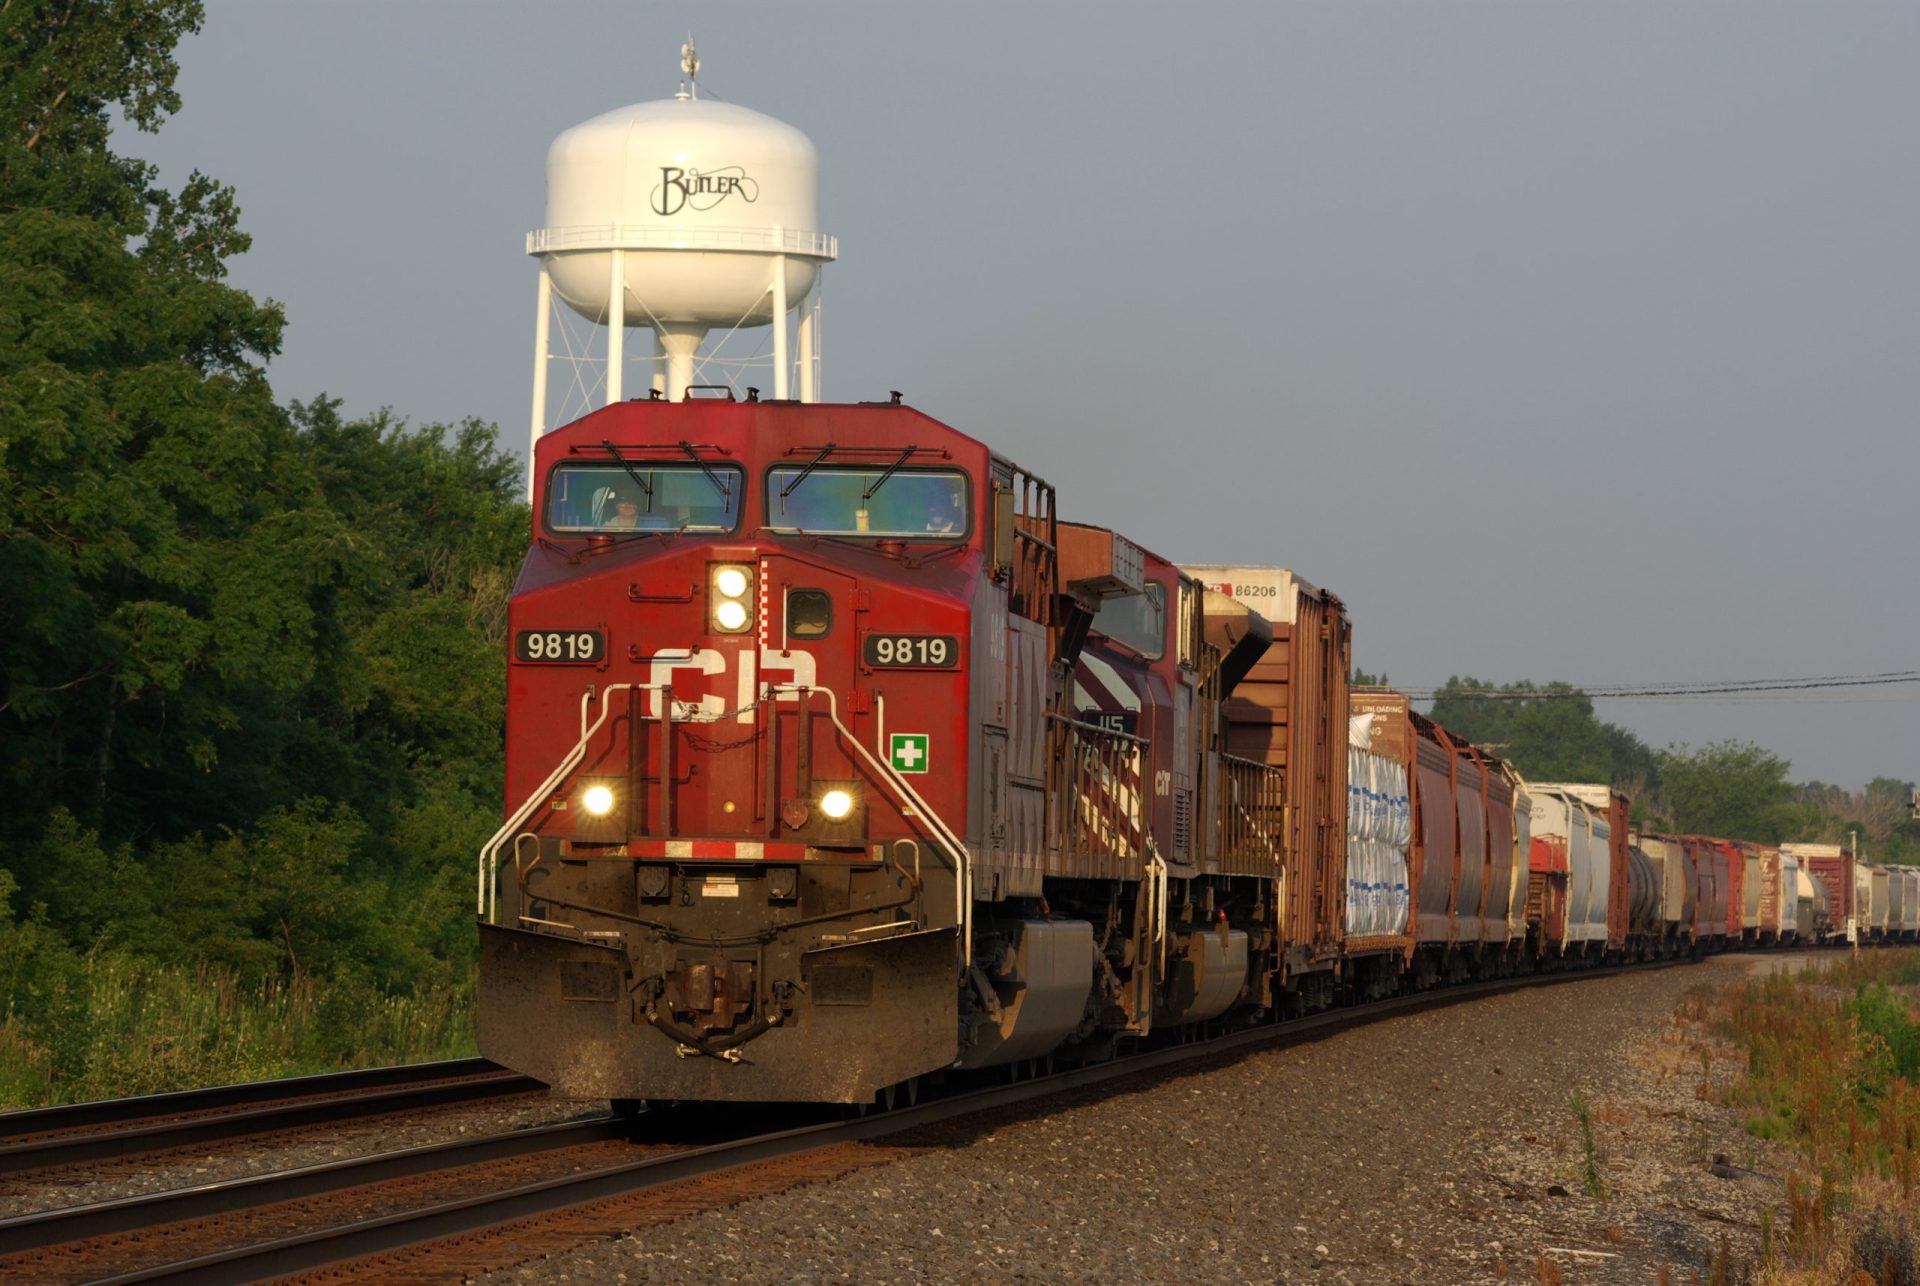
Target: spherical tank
point(698, 196)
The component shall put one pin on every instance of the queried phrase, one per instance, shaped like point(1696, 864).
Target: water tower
point(681, 216)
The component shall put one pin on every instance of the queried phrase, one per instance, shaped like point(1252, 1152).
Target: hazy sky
point(1572, 341)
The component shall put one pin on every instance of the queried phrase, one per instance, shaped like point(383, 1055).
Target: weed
point(1589, 1156)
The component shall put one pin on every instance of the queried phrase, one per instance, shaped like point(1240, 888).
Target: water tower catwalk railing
point(815, 245)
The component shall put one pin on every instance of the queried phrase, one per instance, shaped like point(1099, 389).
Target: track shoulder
point(1389, 1152)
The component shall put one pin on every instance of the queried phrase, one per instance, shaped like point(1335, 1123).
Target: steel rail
point(45, 1120)
point(41, 1228)
point(385, 1095)
point(307, 1252)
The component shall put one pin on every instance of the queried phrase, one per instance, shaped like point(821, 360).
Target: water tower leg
point(809, 380)
point(616, 326)
point(542, 319)
point(780, 327)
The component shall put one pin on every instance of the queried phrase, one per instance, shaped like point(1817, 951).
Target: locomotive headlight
point(732, 587)
point(597, 800)
point(836, 804)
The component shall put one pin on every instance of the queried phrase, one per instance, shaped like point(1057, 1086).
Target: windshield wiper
point(801, 477)
point(882, 479)
point(724, 487)
point(645, 486)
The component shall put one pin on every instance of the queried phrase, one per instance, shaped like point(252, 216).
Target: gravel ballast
point(1438, 1147)
point(85, 1183)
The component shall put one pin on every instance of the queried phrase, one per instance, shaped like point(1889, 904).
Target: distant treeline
point(1730, 788)
point(251, 675)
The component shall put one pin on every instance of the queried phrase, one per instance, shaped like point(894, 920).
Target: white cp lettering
point(793, 667)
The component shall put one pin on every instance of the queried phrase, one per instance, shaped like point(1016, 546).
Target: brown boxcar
point(1736, 869)
point(1291, 711)
point(1710, 905)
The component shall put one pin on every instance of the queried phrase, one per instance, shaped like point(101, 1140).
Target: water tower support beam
point(616, 325)
point(780, 327)
point(809, 380)
point(542, 319)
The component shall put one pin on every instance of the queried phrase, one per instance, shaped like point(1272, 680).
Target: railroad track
point(62, 1136)
point(549, 1181)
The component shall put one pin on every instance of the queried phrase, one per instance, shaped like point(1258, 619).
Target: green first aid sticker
point(908, 751)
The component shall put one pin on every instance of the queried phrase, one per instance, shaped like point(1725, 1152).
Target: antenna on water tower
point(680, 216)
point(689, 67)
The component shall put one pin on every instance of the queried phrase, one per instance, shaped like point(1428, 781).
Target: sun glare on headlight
point(836, 804)
point(732, 589)
point(598, 800)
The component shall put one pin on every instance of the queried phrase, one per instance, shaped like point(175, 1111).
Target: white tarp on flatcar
point(1379, 831)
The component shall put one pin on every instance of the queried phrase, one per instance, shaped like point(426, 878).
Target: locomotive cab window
point(1137, 621)
point(899, 504)
point(642, 496)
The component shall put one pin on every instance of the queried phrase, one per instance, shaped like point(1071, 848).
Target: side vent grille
point(1182, 822)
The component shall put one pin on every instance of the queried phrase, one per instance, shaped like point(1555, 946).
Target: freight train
point(839, 757)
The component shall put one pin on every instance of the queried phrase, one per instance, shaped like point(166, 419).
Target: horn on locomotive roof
point(679, 215)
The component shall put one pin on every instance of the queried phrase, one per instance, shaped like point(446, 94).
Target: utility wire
point(1730, 688)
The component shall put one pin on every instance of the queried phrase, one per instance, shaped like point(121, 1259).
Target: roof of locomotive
point(740, 427)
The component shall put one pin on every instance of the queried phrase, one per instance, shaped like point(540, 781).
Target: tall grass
point(1833, 1071)
point(116, 1026)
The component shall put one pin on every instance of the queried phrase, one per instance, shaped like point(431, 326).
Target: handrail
point(942, 833)
point(629, 236)
point(1266, 784)
point(1096, 792)
point(486, 903)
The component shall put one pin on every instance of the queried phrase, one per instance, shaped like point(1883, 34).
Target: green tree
point(1731, 788)
point(137, 422)
point(1550, 732)
point(210, 607)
